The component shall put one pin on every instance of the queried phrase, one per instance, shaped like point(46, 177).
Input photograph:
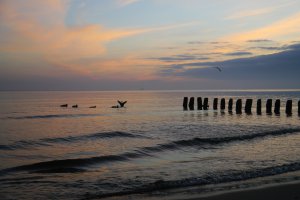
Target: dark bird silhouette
point(218, 68)
point(64, 105)
point(122, 103)
point(92, 107)
point(75, 106)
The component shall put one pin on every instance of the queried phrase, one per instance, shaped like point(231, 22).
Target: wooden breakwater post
point(269, 106)
point(215, 106)
point(258, 107)
point(205, 104)
point(185, 103)
point(238, 107)
point(223, 104)
point(277, 107)
point(189, 104)
point(288, 108)
point(192, 103)
point(199, 103)
point(230, 103)
point(248, 106)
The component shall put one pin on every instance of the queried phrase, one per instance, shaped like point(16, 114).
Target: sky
point(149, 44)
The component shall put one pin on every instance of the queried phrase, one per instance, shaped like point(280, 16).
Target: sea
point(150, 149)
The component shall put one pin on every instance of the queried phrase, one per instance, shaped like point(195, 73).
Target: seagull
point(122, 103)
point(218, 68)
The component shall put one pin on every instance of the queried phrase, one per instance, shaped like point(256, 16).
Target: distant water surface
point(147, 148)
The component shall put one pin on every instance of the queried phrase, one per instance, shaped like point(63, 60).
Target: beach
point(276, 191)
point(289, 191)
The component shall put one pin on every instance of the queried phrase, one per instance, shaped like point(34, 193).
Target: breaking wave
point(24, 144)
point(76, 164)
point(212, 178)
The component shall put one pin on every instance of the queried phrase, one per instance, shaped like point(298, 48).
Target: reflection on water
point(152, 144)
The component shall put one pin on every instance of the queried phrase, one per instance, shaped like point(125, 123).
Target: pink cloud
point(36, 27)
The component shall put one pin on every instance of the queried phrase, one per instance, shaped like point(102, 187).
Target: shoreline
point(286, 191)
point(289, 190)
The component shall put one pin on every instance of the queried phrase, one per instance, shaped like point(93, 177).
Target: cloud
point(238, 53)
point(201, 42)
point(279, 48)
point(196, 42)
point(257, 12)
point(282, 67)
point(293, 46)
point(126, 2)
point(281, 29)
point(179, 58)
point(269, 48)
point(37, 27)
point(260, 40)
point(250, 13)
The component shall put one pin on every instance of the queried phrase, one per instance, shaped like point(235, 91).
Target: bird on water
point(121, 104)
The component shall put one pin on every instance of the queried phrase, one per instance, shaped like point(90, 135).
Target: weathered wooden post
point(269, 106)
point(199, 103)
point(191, 103)
point(258, 107)
point(248, 106)
point(185, 103)
point(205, 104)
point(215, 104)
point(277, 107)
point(222, 104)
point(288, 108)
point(230, 102)
point(238, 107)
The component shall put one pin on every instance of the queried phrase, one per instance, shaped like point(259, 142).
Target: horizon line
point(173, 90)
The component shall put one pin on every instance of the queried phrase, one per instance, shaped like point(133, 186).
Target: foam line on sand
point(290, 191)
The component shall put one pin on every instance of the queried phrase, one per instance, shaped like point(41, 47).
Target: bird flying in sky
point(218, 68)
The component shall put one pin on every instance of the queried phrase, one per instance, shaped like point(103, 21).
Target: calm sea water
point(150, 149)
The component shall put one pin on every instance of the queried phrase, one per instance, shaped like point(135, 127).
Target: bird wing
point(218, 68)
point(119, 102)
point(122, 103)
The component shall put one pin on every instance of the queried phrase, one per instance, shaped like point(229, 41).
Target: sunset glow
point(151, 44)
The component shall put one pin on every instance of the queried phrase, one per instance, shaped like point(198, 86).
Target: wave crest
point(25, 144)
point(217, 178)
point(49, 166)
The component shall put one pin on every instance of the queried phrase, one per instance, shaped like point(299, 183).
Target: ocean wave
point(25, 144)
point(219, 140)
point(59, 165)
point(75, 164)
point(211, 178)
point(60, 170)
point(91, 136)
point(208, 142)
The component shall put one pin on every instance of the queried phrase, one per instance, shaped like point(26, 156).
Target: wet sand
point(276, 192)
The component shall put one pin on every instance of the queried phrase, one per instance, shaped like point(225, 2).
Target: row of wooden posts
point(189, 104)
